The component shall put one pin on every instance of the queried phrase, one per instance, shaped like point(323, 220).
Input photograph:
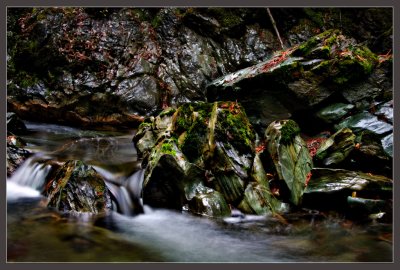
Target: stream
point(38, 234)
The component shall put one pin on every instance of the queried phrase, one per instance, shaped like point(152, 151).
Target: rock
point(366, 207)
point(15, 157)
point(208, 202)
point(336, 149)
point(334, 112)
point(258, 198)
point(290, 155)
point(15, 124)
point(329, 188)
point(365, 121)
point(300, 77)
point(387, 143)
point(370, 155)
point(76, 186)
point(204, 152)
point(385, 112)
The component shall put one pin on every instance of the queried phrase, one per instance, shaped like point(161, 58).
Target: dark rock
point(76, 186)
point(15, 124)
point(15, 156)
point(361, 207)
point(336, 148)
point(365, 121)
point(330, 188)
point(370, 155)
point(300, 77)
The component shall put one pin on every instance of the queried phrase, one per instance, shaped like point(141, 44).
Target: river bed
point(38, 234)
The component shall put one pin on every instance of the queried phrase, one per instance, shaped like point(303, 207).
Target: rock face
point(63, 62)
point(203, 156)
point(77, 187)
point(302, 76)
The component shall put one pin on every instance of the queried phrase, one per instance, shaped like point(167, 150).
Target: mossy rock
point(290, 156)
point(76, 186)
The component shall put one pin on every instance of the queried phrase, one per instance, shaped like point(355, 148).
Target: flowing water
point(38, 234)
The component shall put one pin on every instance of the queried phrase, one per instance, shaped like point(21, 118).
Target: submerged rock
point(290, 155)
point(76, 186)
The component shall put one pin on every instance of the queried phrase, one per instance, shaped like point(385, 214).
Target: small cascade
point(29, 179)
point(32, 173)
point(125, 191)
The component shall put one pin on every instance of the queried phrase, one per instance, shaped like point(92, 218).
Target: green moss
point(167, 112)
point(144, 125)
point(234, 128)
point(289, 131)
point(194, 140)
point(167, 148)
point(192, 119)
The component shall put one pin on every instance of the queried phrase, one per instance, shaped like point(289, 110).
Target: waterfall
point(126, 192)
point(28, 180)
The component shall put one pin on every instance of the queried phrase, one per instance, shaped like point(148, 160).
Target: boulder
point(76, 186)
point(203, 155)
point(290, 155)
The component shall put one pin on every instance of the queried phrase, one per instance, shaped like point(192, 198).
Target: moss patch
point(288, 132)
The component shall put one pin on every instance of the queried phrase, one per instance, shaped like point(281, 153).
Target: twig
point(276, 29)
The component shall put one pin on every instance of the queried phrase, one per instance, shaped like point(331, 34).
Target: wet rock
point(300, 77)
point(331, 180)
point(15, 155)
point(203, 152)
point(258, 198)
point(334, 112)
point(365, 121)
point(15, 124)
point(330, 188)
point(290, 155)
point(362, 207)
point(336, 148)
point(385, 112)
point(76, 186)
point(387, 143)
point(208, 202)
point(140, 93)
point(370, 155)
